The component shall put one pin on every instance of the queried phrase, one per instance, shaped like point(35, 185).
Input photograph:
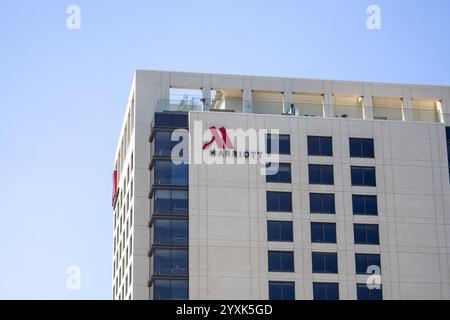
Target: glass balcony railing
point(396, 113)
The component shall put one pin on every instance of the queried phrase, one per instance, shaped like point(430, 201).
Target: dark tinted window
point(170, 262)
point(170, 290)
point(164, 144)
point(323, 232)
point(283, 174)
point(171, 120)
point(365, 205)
point(284, 144)
point(366, 234)
point(325, 291)
point(361, 148)
point(279, 231)
point(320, 146)
point(170, 231)
point(168, 173)
point(363, 176)
point(321, 203)
point(281, 290)
point(281, 261)
point(321, 174)
point(364, 293)
point(324, 262)
point(363, 261)
point(170, 202)
point(279, 201)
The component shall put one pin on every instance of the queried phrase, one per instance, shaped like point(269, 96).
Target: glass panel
point(179, 265)
point(315, 203)
point(372, 234)
point(314, 174)
point(161, 290)
point(327, 175)
point(163, 144)
point(326, 146)
point(285, 202)
point(272, 201)
point(162, 172)
point(162, 232)
point(274, 261)
point(179, 232)
point(179, 174)
point(318, 262)
point(355, 148)
point(288, 290)
point(358, 204)
point(313, 146)
point(273, 231)
point(275, 291)
point(359, 234)
point(317, 232)
point(331, 263)
point(371, 205)
point(369, 177)
point(368, 148)
point(179, 290)
point(329, 232)
point(287, 261)
point(328, 203)
point(361, 263)
point(162, 202)
point(179, 203)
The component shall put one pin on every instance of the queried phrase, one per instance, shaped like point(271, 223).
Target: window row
point(285, 290)
point(322, 232)
point(278, 290)
point(322, 262)
point(322, 203)
point(320, 146)
point(324, 174)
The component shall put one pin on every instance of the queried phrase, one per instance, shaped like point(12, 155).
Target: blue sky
point(63, 94)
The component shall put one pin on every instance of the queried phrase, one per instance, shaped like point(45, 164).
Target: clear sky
point(63, 94)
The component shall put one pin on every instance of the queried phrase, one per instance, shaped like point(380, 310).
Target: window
point(320, 146)
point(364, 293)
point(281, 261)
point(170, 262)
point(361, 148)
point(280, 231)
point(321, 203)
point(364, 205)
point(279, 201)
point(164, 144)
point(363, 261)
point(284, 143)
point(171, 202)
point(363, 176)
point(281, 290)
point(170, 231)
point(170, 290)
point(324, 262)
point(168, 173)
point(366, 234)
point(325, 291)
point(171, 120)
point(283, 174)
point(323, 232)
point(321, 174)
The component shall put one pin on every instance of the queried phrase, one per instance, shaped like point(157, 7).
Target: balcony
point(395, 112)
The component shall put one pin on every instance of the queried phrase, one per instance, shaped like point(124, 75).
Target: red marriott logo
point(220, 137)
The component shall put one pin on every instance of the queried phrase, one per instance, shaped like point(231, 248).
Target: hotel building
point(361, 196)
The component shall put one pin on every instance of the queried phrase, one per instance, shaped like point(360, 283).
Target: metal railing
point(396, 113)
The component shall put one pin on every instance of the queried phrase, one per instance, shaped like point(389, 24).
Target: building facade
point(358, 208)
